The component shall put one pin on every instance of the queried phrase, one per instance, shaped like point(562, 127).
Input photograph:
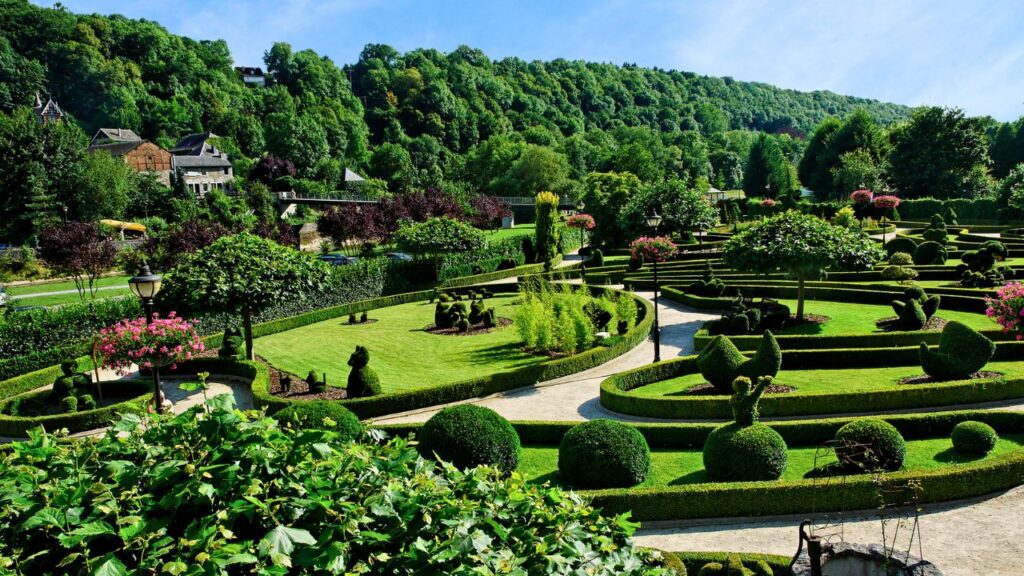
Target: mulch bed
point(473, 330)
point(891, 324)
point(808, 319)
point(368, 321)
point(707, 389)
point(926, 379)
point(299, 389)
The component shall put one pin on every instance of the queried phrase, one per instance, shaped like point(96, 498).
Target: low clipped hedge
point(712, 500)
point(137, 394)
point(615, 390)
point(493, 383)
point(694, 561)
point(492, 276)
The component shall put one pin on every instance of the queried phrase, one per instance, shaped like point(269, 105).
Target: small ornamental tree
point(488, 211)
point(79, 250)
point(163, 342)
point(801, 245)
point(884, 206)
point(243, 274)
point(437, 237)
point(653, 249)
point(581, 222)
point(1007, 308)
point(690, 211)
point(862, 202)
point(546, 231)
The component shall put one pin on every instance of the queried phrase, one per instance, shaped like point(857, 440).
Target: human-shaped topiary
point(720, 362)
point(745, 398)
point(476, 311)
point(745, 450)
point(233, 344)
point(362, 380)
point(962, 352)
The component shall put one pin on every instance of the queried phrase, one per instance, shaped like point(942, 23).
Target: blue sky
point(968, 54)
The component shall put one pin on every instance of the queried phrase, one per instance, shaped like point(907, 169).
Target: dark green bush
point(316, 383)
point(603, 454)
point(69, 404)
point(735, 453)
point(911, 317)
point(973, 437)
point(930, 253)
point(232, 345)
point(362, 380)
point(87, 402)
point(712, 569)
point(870, 444)
point(962, 352)
point(895, 245)
point(930, 305)
point(476, 311)
point(596, 258)
point(463, 325)
point(914, 293)
point(766, 361)
point(489, 319)
point(469, 436)
point(322, 415)
point(720, 362)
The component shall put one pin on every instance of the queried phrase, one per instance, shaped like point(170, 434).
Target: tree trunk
point(800, 298)
point(247, 328)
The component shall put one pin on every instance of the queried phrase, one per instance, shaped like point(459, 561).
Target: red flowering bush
point(656, 249)
point(768, 203)
point(582, 221)
point(886, 203)
point(861, 196)
point(1007, 308)
point(163, 342)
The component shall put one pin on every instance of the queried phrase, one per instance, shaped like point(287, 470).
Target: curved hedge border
point(485, 385)
point(694, 561)
point(615, 390)
point(715, 500)
point(18, 426)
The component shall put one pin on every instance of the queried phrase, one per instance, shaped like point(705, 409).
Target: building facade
point(201, 166)
point(141, 155)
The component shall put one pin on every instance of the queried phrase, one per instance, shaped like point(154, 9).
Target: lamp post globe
point(145, 285)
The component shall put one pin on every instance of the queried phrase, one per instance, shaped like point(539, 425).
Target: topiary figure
point(949, 215)
point(870, 444)
point(907, 319)
point(962, 352)
point(895, 245)
point(442, 315)
point(708, 285)
point(930, 253)
point(636, 262)
point(979, 269)
point(603, 454)
point(322, 415)
point(914, 293)
point(745, 449)
point(468, 435)
point(911, 316)
point(489, 320)
point(767, 359)
point(315, 383)
point(444, 297)
point(463, 325)
point(232, 345)
point(936, 231)
point(362, 380)
point(899, 268)
point(596, 258)
point(69, 404)
point(352, 317)
point(973, 437)
point(364, 317)
point(719, 362)
point(71, 382)
point(86, 402)
point(476, 311)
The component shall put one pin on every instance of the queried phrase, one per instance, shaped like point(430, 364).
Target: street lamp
point(579, 210)
point(653, 220)
point(145, 285)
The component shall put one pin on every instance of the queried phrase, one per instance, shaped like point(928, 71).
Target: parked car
point(399, 257)
point(337, 259)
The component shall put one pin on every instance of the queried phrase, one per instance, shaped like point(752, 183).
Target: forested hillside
point(437, 108)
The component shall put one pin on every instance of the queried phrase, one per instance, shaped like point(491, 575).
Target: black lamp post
point(145, 285)
point(653, 220)
point(579, 210)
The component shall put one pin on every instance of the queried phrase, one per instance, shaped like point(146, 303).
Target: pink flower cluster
point(584, 221)
point(767, 203)
point(1007, 308)
point(165, 341)
point(653, 249)
point(886, 202)
point(861, 196)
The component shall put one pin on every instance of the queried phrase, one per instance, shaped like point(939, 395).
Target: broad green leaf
point(112, 567)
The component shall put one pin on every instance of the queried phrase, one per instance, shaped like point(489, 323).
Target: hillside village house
point(201, 165)
point(141, 155)
point(49, 112)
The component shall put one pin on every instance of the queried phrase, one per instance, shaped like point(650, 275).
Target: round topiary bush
point(973, 437)
point(736, 453)
point(468, 436)
point(870, 444)
point(603, 454)
point(322, 415)
point(930, 253)
point(895, 245)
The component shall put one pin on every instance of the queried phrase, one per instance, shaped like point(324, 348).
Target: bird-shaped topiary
point(962, 352)
point(720, 362)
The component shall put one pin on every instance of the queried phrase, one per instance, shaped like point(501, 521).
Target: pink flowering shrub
point(582, 221)
point(1007, 308)
point(886, 202)
point(861, 196)
point(164, 342)
point(768, 203)
point(655, 249)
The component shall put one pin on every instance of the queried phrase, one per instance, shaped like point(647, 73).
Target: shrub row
point(141, 390)
point(483, 386)
point(492, 276)
point(694, 561)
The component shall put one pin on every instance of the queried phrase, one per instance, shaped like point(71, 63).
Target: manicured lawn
point(403, 355)
point(676, 467)
point(61, 299)
point(517, 230)
point(824, 381)
point(23, 295)
point(28, 289)
point(851, 318)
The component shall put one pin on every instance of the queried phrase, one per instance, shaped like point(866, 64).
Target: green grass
point(851, 318)
point(23, 295)
point(403, 355)
point(517, 230)
point(677, 467)
point(29, 289)
point(62, 299)
point(824, 381)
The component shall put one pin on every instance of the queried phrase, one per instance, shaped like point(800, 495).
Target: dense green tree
point(536, 170)
point(856, 170)
point(768, 173)
point(392, 163)
point(1005, 150)
point(938, 153)
point(605, 195)
point(103, 190)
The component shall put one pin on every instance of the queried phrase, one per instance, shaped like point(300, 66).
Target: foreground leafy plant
point(228, 493)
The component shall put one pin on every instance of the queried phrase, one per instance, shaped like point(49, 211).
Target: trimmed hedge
point(603, 454)
point(468, 436)
point(735, 452)
point(462, 281)
point(885, 447)
point(694, 561)
point(314, 414)
point(137, 394)
point(970, 437)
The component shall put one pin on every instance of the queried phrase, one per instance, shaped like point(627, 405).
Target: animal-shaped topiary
point(74, 385)
point(476, 311)
point(936, 231)
point(745, 450)
point(930, 253)
point(979, 269)
point(908, 319)
point(315, 383)
point(962, 352)
point(708, 285)
point(362, 380)
point(442, 315)
point(233, 345)
point(489, 318)
point(720, 362)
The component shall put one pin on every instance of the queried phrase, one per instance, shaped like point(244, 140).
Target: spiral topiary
point(469, 436)
point(603, 454)
point(870, 444)
point(973, 437)
point(362, 380)
point(322, 415)
point(962, 352)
